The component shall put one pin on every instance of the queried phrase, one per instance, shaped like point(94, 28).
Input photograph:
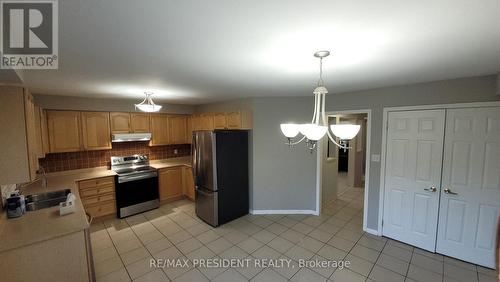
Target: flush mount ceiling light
point(314, 131)
point(147, 105)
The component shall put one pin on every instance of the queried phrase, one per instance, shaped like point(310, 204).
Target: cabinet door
point(207, 122)
point(95, 129)
point(189, 129)
point(44, 131)
point(188, 182)
point(120, 122)
point(31, 134)
point(234, 120)
point(170, 183)
point(139, 123)
point(159, 130)
point(220, 121)
point(64, 131)
point(177, 128)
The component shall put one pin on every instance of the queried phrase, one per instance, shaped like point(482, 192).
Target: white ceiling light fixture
point(318, 127)
point(147, 105)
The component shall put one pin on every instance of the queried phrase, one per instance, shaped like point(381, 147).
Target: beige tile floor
point(123, 248)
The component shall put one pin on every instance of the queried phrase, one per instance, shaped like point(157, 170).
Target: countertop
point(46, 224)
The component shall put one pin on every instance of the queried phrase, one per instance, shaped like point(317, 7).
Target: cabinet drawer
point(96, 182)
point(101, 209)
point(98, 199)
point(99, 190)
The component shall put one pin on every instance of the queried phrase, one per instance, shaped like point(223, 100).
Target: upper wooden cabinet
point(120, 122)
point(220, 121)
point(170, 182)
point(189, 130)
point(95, 131)
point(44, 131)
point(206, 122)
point(129, 122)
point(139, 123)
point(239, 120)
point(177, 127)
point(159, 130)
point(64, 131)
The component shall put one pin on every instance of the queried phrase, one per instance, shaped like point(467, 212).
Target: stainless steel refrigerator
point(220, 171)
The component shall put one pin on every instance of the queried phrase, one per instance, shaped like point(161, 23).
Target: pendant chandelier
point(314, 131)
point(147, 105)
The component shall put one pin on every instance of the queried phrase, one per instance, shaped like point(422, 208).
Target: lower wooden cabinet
point(170, 181)
point(188, 182)
point(98, 196)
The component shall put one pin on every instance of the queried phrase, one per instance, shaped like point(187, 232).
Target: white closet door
point(412, 176)
point(471, 169)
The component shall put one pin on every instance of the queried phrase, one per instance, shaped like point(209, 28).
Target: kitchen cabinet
point(177, 128)
point(44, 131)
point(159, 130)
point(98, 196)
point(188, 182)
point(239, 120)
point(95, 131)
point(120, 122)
point(189, 130)
point(64, 131)
point(139, 123)
point(220, 121)
point(34, 143)
point(170, 181)
point(206, 122)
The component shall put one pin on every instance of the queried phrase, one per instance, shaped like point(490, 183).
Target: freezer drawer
point(207, 206)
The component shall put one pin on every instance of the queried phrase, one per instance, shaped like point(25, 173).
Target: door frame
point(319, 175)
point(383, 153)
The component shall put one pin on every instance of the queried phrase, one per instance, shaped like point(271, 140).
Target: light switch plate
point(375, 158)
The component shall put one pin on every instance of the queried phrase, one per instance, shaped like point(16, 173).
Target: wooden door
point(188, 182)
point(220, 121)
point(120, 122)
point(95, 131)
point(413, 176)
point(234, 120)
point(159, 130)
point(170, 181)
point(139, 123)
point(64, 131)
point(177, 128)
point(470, 209)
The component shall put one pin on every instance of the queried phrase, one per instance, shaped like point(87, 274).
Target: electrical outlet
point(176, 151)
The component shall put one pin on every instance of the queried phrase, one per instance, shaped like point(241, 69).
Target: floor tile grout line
point(119, 256)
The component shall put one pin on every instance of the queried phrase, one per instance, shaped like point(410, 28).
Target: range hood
point(128, 137)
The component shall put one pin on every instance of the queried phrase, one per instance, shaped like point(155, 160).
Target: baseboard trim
point(313, 212)
point(372, 231)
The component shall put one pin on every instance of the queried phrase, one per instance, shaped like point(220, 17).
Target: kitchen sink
point(46, 200)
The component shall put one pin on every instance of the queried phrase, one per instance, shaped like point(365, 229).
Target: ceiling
point(193, 52)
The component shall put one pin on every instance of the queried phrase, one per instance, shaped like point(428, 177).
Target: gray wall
point(54, 102)
point(286, 179)
point(464, 90)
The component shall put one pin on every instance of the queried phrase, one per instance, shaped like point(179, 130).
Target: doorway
point(343, 175)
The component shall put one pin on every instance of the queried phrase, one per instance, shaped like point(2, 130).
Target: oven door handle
point(123, 179)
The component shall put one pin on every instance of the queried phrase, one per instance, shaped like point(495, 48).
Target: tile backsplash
point(88, 159)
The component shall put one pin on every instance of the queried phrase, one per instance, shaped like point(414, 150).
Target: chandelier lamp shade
point(318, 128)
point(147, 105)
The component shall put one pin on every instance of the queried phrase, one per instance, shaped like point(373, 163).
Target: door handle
point(448, 191)
point(432, 189)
